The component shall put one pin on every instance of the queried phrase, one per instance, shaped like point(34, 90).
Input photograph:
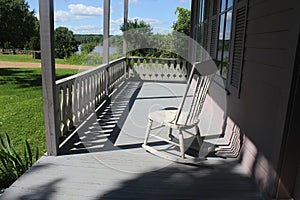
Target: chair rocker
point(186, 117)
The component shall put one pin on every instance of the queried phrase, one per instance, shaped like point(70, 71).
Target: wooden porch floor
point(104, 159)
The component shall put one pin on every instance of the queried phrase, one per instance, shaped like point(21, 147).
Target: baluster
point(94, 92)
point(172, 71)
point(81, 99)
point(75, 104)
point(178, 70)
point(135, 69)
point(145, 71)
point(86, 96)
point(89, 93)
point(155, 70)
point(165, 71)
point(64, 118)
point(102, 85)
point(60, 110)
point(70, 113)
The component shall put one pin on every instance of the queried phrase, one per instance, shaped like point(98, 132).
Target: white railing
point(157, 69)
point(78, 95)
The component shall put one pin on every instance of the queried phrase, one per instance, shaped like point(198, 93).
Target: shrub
point(12, 164)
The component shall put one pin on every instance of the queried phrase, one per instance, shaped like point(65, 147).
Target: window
point(224, 36)
point(203, 23)
point(221, 30)
point(214, 30)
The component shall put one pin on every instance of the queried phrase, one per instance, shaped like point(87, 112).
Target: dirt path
point(5, 64)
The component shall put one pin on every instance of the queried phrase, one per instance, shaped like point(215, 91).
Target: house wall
point(297, 185)
point(261, 110)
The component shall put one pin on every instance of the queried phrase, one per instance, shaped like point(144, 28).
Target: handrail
point(79, 94)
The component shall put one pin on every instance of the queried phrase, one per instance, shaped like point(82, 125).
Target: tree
point(181, 31)
point(88, 47)
point(183, 22)
point(138, 37)
point(18, 25)
point(65, 43)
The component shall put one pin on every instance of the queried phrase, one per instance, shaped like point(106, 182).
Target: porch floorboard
point(104, 159)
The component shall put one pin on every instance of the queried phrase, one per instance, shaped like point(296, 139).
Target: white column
point(125, 27)
point(48, 75)
point(106, 31)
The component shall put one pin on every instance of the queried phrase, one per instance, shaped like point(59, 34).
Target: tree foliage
point(91, 38)
point(65, 43)
point(88, 47)
point(181, 32)
point(138, 35)
point(183, 22)
point(18, 25)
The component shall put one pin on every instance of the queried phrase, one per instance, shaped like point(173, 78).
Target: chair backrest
point(201, 75)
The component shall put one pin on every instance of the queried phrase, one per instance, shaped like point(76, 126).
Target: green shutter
point(237, 46)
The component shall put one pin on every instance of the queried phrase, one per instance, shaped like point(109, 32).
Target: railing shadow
point(101, 131)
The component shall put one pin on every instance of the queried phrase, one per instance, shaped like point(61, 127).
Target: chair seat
point(167, 117)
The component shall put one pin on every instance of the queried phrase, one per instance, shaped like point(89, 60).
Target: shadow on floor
point(188, 182)
point(101, 131)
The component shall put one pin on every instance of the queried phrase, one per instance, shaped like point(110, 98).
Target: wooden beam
point(48, 75)
point(125, 27)
point(106, 19)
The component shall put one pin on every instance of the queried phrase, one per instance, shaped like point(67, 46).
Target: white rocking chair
point(185, 117)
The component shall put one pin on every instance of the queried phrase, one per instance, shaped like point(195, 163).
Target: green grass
point(21, 110)
point(83, 59)
point(18, 58)
point(76, 60)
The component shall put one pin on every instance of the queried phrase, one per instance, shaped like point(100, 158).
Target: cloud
point(114, 31)
point(117, 22)
point(150, 21)
point(77, 12)
point(183, 1)
point(134, 1)
point(83, 10)
point(86, 29)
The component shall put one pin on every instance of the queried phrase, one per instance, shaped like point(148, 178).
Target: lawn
point(21, 110)
point(18, 58)
point(74, 60)
point(83, 59)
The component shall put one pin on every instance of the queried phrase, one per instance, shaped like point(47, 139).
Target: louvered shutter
point(237, 46)
point(214, 36)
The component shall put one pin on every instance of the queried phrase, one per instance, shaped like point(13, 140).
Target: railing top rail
point(82, 74)
point(161, 59)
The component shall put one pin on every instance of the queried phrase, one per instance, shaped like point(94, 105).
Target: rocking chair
point(187, 116)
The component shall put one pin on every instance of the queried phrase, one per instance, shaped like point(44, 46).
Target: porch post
point(106, 19)
point(106, 31)
point(125, 27)
point(125, 36)
point(48, 75)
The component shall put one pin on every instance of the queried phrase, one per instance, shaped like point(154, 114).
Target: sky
point(86, 17)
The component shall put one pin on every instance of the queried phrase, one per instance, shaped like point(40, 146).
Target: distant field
point(76, 59)
point(21, 110)
point(18, 58)
point(27, 58)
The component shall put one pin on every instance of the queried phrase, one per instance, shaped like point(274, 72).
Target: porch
point(102, 157)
